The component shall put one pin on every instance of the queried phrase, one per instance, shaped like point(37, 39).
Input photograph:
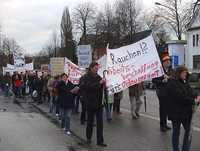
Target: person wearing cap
point(161, 83)
point(181, 99)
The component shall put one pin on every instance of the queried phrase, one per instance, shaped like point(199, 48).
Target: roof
point(194, 17)
point(194, 28)
point(176, 42)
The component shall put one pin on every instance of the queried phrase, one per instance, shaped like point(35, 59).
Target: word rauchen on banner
point(132, 64)
point(84, 53)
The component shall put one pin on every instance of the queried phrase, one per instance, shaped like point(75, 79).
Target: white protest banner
point(19, 59)
point(74, 72)
point(102, 65)
point(132, 64)
point(28, 67)
point(84, 53)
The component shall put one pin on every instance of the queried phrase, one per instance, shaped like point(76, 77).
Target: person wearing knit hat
point(161, 83)
point(181, 99)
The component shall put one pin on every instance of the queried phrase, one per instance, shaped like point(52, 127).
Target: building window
point(193, 40)
point(197, 40)
point(196, 62)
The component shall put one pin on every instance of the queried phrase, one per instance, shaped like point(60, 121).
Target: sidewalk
point(125, 134)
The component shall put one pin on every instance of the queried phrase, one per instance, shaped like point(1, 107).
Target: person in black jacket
point(181, 99)
point(66, 91)
point(161, 83)
point(92, 84)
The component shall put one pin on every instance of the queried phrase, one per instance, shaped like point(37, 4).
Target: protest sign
point(132, 64)
point(74, 72)
point(19, 59)
point(102, 65)
point(84, 53)
point(57, 66)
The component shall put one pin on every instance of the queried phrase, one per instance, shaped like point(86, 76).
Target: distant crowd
point(177, 100)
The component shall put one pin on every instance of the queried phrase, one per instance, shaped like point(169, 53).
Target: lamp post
point(177, 16)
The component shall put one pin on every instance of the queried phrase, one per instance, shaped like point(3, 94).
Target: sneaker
point(163, 129)
point(168, 128)
point(137, 114)
point(134, 116)
point(89, 141)
point(68, 133)
point(57, 115)
point(102, 145)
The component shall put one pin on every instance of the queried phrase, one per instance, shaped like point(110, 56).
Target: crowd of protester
point(176, 99)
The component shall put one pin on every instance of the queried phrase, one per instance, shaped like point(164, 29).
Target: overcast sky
point(31, 22)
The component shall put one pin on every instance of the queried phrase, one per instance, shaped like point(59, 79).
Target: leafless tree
point(55, 43)
point(105, 25)
point(176, 14)
point(66, 28)
point(68, 48)
point(127, 13)
point(84, 18)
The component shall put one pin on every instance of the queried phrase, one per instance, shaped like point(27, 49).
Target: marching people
point(181, 99)
point(66, 96)
point(93, 87)
point(135, 93)
point(56, 81)
point(6, 83)
point(52, 97)
point(117, 99)
point(161, 83)
point(17, 84)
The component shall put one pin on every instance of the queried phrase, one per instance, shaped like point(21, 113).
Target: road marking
point(156, 118)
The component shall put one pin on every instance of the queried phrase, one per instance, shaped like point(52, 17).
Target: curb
point(80, 140)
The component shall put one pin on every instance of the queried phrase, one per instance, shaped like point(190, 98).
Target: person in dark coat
point(161, 83)
point(83, 97)
point(93, 87)
point(181, 98)
point(6, 83)
point(66, 91)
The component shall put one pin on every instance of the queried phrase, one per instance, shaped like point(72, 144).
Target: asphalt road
point(23, 128)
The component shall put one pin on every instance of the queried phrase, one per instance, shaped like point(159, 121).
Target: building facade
point(193, 42)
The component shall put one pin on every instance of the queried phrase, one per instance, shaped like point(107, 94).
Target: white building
point(193, 42)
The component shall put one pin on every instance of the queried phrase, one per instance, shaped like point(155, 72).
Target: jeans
point(136, 103)
point(65, 118)
point(176, 133)
point(99, 120)
point(108, 108)
point(52, 106)
point(6, 90)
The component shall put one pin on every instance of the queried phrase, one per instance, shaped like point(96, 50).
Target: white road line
point(156, 118)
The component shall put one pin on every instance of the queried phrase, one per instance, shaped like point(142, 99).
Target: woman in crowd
point(181, 99)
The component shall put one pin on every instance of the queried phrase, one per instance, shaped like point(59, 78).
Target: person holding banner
point(93, 87)
point(161, 83)
point(181, 99)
